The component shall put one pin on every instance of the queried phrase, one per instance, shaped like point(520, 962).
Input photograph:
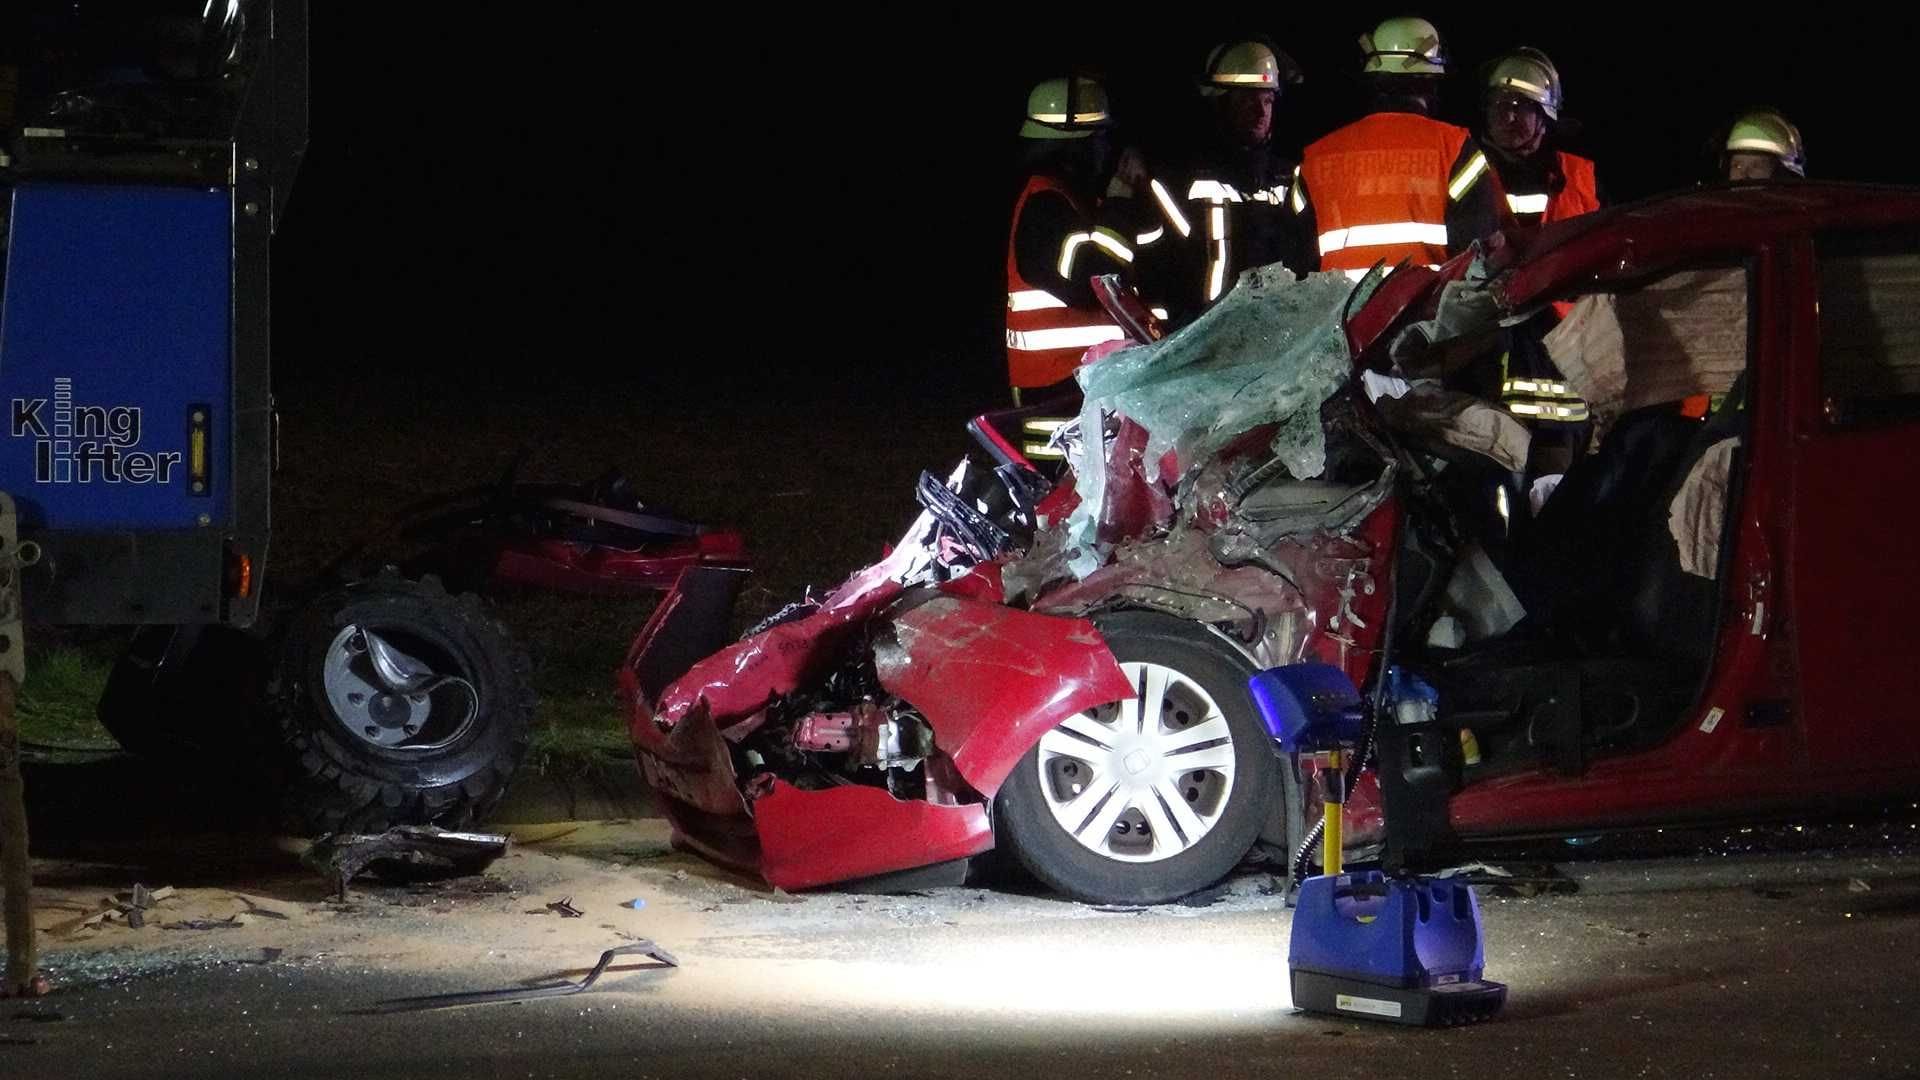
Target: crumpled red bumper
point(989, 679)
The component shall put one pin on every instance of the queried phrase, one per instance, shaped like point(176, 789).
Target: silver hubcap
point(1143, 779)
point(390, 699)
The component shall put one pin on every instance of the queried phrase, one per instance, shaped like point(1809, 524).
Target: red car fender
point(991, 680)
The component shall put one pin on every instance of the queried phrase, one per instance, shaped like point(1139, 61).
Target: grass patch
point(578, 752)
point(57, 703)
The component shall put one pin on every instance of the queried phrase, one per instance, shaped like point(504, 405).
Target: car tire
point(362, 752)
point(1111, 808)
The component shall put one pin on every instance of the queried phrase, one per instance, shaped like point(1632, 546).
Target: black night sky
point(819, 198)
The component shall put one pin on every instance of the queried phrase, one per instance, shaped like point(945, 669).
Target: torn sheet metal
point(1270, 352)
point(1697, 517)
point(743, 676)
point(1462, 329)
point(991, 679)
point(407, 850)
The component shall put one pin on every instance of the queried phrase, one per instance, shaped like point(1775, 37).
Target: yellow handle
point(1330, 846)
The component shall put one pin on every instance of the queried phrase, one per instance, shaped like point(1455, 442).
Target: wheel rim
point(1143, 779)
point(395, 694)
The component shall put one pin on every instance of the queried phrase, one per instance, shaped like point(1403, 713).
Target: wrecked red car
point(1672, 627)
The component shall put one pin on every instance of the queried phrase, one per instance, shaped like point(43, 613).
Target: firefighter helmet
point(1765, 131)
point(1404, 46)
point(1527, 73)
point(1067, 108)
point(1247, 65)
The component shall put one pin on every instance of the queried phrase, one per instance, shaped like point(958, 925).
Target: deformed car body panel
point(813, 838)
point(992, 679)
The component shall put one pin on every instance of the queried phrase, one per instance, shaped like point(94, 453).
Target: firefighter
point(1057, 243)
point(1763, 145)
point(1513, 176)
point(1221, 206)
point(1376, 190)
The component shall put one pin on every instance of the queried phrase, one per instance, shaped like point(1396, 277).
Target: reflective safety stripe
point(1146, 238)
point(1103, 238)
point(1463, 180)
point(1112, 242)
point(1033, 300)
point(1262, 79)
point(1527, 204)
point(1213, 191)
point(1036, 437)
point(1216, 252)
point(1299, 195)
point(1171, 209)
point(1063, 337)
point(1540, 387)
point(1523, 84)
point(1061, 118)
point(1158, 312)
point(1561, 412)
point(1274, 195)
point(1393, 232)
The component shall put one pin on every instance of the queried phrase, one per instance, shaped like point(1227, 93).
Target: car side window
point(1870, 327)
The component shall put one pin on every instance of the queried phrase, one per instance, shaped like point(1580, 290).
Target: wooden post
point(16, 872)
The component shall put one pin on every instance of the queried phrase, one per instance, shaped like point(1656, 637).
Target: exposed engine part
point(867, 734)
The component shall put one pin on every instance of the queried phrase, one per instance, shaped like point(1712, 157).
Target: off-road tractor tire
point(361, 752)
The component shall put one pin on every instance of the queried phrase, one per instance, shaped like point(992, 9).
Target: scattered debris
point(88, 921)
point(231, 922)
point(130, 906)
point(1529, 882)
point(564, 908)
point(1116, 909)
point(408, 852)
point(1855, 885)
point(263, 912)
point(636, 903)
point(661, 957)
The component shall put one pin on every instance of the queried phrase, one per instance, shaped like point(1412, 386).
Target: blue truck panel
point(115, 349)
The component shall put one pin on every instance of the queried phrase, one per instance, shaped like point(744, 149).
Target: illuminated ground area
point(1776, 963)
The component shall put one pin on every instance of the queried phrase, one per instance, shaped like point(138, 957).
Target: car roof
point(1625, 242)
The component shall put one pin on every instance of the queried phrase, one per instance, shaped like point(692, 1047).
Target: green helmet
point(1404, 46)
point(1528, 73)
point(1066, 108)
point(1247, 65)
point(1765, 131)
